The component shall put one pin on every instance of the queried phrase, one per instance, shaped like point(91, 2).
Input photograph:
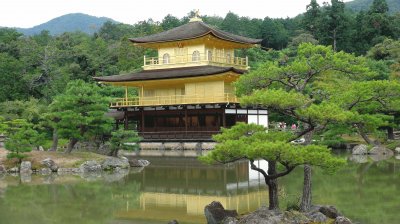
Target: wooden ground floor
point(187, 123)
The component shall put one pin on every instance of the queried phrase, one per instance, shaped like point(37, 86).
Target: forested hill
point(358, 5)
point(68, 23)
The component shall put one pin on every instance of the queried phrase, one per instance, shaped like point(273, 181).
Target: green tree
point(79, 113)
point(123, 139)
point(253, 142)
point(21, 139)
point(294, 87)
point(311, 20)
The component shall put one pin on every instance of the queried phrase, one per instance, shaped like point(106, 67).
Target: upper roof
point(184, 72)
point(193, 30)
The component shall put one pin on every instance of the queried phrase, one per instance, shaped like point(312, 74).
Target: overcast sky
point(28, 13)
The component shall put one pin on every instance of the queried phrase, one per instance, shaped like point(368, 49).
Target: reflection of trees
point(367, 192)
point(84, 202)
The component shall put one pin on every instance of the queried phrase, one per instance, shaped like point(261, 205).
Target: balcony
point(194, 60)
point(173, 100)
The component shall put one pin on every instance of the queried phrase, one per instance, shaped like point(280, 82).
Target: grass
point(73, 160)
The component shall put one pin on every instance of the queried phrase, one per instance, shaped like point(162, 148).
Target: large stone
point(173, 145)
point(173, 222)
point(317, 217)
point(63, 171)
point(397, 150)
point(329, 211)
point(13, 170)
point(342, 220)
point(230, 220)
point(360, 150)
point(49, 163)
point(381, 150)
point(90, 166)
point(294, 217)
point(113, 162)
point(151, 145)
point(208, 145)
point(138, 162)
point(263, 216)
point(215, 213)
point(26, 177)
point(26, 167)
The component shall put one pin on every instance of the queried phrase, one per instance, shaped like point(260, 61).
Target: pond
point(179, 188)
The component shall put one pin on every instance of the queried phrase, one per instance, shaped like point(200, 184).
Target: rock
point(26, 167)
point(316, 216)
point(294, 217)
point(138, 162)
point(62, 171)
point(342, 220)
point(397, 150)
point(329, 211)
point(173, 145)
point(115, 176)
point(173, 222)
point(113, 162)
point(49, 163)
point(2, 169)
point(380, 157)
point(45, 171)
point(380, 150)
point(13, 170)
point(90, 166)
point(359, 158)
point(360, 150)
point(263, 216)
point(208, 145)
point(41, 148)
point(397, 157)
point(230, 220)
point(215, 213)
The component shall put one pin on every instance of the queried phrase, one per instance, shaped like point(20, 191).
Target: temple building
point(187, 92)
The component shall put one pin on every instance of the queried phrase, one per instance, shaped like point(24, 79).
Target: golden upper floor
point(194, 44)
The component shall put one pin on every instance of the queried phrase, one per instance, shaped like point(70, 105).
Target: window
point(166, 58)
point(196, 56)
point(209, 55)
point(228, 58)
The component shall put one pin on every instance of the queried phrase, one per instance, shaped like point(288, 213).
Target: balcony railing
point(193, 60)
point(173, 100)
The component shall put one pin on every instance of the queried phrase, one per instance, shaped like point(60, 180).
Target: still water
point(179, 188)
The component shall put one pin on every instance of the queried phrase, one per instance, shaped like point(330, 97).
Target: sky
point(29, 13)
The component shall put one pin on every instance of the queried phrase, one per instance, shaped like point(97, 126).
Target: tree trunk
point(390, 133)
point(71, 145)
point(272, 187)
point(305, 204)
point(365, 136)
point(334, 40)
point(55, 141)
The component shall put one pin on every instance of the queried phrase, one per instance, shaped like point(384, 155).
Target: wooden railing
point(178, 135)
point(155, 62)
point(173, 100)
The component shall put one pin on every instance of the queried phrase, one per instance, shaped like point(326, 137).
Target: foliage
point(79, 113)
point(21, 139)
point(123, 139)
point(363, 5)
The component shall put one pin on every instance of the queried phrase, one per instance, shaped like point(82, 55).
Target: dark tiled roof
point(193, 30)
point(169, 73)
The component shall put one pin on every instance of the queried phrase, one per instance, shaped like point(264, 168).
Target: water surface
point(179, 188)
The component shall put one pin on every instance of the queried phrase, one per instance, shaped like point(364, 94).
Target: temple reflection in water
point(180, 189)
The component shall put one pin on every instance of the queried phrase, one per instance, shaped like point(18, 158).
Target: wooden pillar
point(126, 119)
point(186, 121)
point(142, 119)
point(126, 95)
point(223, 118)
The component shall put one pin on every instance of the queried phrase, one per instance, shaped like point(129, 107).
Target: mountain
point(68, 23)
point(358, 5)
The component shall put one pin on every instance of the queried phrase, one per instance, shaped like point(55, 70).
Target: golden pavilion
point(186, 93)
